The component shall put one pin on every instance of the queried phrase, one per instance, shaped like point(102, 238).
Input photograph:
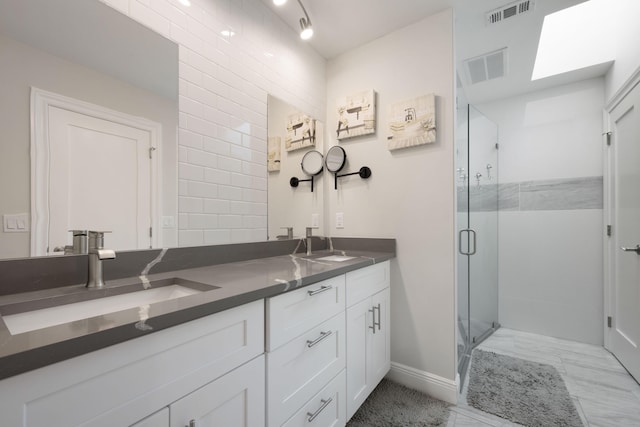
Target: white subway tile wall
point(223, 87)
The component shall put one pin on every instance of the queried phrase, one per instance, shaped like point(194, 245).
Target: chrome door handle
point(374, 316)
point(636, 249)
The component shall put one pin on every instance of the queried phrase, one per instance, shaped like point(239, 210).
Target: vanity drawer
point(293, 313)
point(363, 283)
point(302, 367)
point(325, 409)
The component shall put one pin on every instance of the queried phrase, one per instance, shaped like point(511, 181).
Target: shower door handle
point(473, 233)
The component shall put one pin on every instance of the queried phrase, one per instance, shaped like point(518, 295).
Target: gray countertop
point(232, 284)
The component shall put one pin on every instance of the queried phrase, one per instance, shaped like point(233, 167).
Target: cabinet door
point(359, 322)
point(236, 399)
point(368, 347)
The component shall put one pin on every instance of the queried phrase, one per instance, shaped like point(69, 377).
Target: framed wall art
point(412, 122)
point(356, 115)
point(301, 132)
point(274, 153)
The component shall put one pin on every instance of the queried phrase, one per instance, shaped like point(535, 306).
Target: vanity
point(284, 340)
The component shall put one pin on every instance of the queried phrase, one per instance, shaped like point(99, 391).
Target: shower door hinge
point(608, 134)
point(609, 321)
point(151, 150)
point(150, 231)
point(497, 146)
point(609, 230)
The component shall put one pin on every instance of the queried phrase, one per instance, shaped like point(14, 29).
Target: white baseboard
point(433, 385)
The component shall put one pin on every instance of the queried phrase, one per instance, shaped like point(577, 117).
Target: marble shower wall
point(543, 195)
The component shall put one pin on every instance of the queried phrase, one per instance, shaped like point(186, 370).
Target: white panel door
point(99, 179)
point(625, 296)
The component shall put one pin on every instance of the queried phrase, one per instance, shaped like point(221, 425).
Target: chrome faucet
point(97, 253)
point(309, 235)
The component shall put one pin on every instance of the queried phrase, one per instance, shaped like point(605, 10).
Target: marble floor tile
point(603, 392)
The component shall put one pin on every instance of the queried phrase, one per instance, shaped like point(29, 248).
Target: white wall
point(23, 67)
point(224, 84)
point(551, 265)
point(410, 195)
point(627, 45)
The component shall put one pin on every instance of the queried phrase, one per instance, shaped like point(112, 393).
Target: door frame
point(41, 101)
point(609, 249)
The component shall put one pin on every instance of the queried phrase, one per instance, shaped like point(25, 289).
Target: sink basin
point(336, 258)
point(30, 316)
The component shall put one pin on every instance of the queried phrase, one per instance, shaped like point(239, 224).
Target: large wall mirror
point(121, 68)
point(291, 135)
point(80, 52)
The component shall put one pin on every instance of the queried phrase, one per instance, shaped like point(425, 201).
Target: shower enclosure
point(477, 227)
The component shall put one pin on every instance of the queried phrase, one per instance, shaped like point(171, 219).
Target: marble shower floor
point(604, 393)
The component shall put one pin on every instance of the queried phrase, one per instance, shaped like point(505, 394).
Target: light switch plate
point(15, 223)
point(339, 220)
point(168, 222)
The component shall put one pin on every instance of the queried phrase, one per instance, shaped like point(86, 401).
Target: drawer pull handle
point(322, 336)
point(325, 403)
point(319, 291)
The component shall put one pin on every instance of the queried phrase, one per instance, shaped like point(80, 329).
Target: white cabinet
point(325, 409)
point(159, 419)
point(293, 313)
point(237, 399)
point(124, 383)
point(368, 334)
point(306, 336)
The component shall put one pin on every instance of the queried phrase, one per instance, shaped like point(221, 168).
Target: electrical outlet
point(339, 220)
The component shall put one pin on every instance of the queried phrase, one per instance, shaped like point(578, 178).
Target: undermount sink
point(86, 303)
point(336, 258)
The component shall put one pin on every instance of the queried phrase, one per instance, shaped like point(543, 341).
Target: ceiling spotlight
point(279, 2)
point(186, 3)
point(306, 31)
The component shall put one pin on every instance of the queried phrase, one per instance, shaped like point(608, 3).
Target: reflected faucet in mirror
point(79, 246)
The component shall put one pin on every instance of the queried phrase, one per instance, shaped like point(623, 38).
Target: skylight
point(574, 38)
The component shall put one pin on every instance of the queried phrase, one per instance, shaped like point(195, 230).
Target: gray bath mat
point(528, 393)
point(392, 404)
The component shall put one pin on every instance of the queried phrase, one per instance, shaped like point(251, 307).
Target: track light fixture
point(306, 30)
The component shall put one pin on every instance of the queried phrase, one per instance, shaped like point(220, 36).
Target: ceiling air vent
point(509, 11)
point(486, 67)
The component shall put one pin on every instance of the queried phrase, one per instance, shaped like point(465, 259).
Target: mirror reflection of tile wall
point(293, 206)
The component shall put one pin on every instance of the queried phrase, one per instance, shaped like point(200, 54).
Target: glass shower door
point(483, 219)
point(477, 226)
point(462, 225)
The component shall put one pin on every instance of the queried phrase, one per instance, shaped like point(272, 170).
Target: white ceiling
point(341, 25)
